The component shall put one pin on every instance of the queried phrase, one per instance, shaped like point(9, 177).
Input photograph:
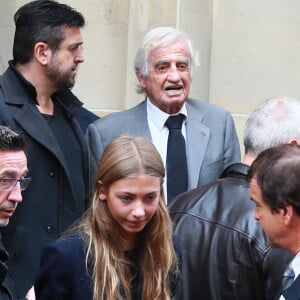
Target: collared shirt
point(159, 132)
point(295, 264)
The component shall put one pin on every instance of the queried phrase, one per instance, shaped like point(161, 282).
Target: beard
point(59, 78)
point(4, 223)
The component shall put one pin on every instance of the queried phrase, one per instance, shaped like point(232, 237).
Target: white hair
point(155, 39)
point(273, 122)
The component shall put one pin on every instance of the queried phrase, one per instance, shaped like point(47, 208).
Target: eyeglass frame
point(13, 183)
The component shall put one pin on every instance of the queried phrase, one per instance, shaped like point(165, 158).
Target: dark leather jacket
point(225, 254)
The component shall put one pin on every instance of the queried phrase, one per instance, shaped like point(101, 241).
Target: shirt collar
point(295, 263)
point(158, 117)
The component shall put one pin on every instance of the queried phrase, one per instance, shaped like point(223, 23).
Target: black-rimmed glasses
point(7, 184)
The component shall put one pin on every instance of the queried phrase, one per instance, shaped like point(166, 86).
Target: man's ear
point(140, 78)
point(287, 213)
point(42, 53)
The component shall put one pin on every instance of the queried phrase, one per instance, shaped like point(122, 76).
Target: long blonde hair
point(125, 157)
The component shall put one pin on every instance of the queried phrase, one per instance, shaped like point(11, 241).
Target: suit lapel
point(197, 137)
point(141, 126)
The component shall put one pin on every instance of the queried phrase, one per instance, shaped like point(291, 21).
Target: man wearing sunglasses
point(13, 180)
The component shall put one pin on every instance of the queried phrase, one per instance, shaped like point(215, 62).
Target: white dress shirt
point(159, 132)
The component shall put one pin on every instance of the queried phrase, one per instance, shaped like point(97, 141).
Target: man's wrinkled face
point(168, 82)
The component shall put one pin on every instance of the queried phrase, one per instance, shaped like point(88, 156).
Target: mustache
point(75, 67)
point(8, 206)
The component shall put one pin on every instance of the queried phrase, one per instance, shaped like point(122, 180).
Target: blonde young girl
point(123, 246)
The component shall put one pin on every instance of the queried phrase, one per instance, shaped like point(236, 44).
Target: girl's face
point(132, 203)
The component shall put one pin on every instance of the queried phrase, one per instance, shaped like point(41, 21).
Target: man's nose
point(174, 73)
point(15, 194)
point(79, 58)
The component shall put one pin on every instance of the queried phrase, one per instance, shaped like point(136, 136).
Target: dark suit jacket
point(293, 292)
point(211, 140)
point(49, 204)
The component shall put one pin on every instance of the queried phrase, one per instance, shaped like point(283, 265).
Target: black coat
point(6, 285)
point(44, 214)
point(225, 253)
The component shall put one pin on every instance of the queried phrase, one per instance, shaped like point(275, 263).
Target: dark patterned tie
point(177, 177)
point(287, 279)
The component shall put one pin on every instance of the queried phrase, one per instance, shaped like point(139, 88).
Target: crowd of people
point(153, 202)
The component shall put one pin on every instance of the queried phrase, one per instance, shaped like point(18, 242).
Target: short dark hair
point(10, 140)
point(42, 21)
point(276, 171)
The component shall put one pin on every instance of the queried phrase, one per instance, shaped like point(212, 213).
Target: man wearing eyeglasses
point(13, 170)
